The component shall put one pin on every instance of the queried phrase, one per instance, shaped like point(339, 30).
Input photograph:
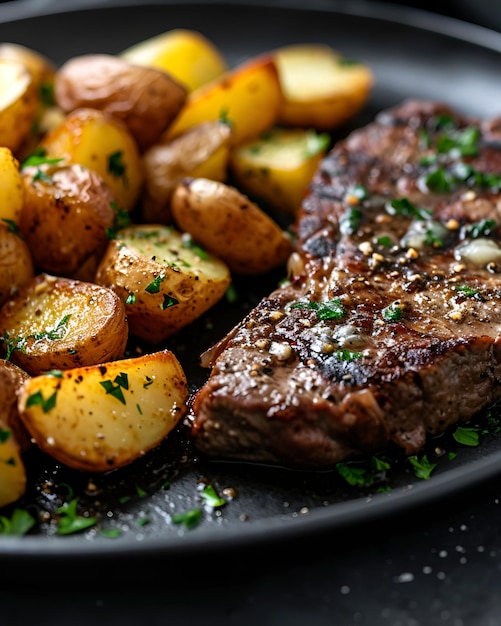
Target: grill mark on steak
point(391, 330)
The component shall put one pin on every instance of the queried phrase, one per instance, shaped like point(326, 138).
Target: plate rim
point(448, 484)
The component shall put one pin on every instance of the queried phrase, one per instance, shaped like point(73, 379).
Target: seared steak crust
point(389, 326)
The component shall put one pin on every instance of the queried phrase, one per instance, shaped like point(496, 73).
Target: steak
point(388, 328)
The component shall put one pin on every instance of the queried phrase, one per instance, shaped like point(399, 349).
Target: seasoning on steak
point(390, 327)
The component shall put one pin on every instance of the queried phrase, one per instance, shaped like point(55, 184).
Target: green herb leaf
point(422, 467)
point(466, 436)
point(19, 523)
point(70, 522)
point(190, 519)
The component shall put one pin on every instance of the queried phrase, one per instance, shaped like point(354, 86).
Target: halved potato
point(187, 55)
point(102, 417)
point(321, 88)
point(11, 186)
point(11, 379)
point(101, 143)
point(164, 280)
point(200, 151)
point(60, 323)
point(145, 98)
point(277, 167)
point(249, 97)
point(13, 477)
point(16, 262)
point(18, 103)
point(228, 224)
point(42, 70)
point(65, 219)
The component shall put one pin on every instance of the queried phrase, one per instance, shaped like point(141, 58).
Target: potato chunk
point(16, 262)
point(249, 96)
point(227, 223)
point(321, 88)
point(60, 323)
point(146, 99)
point(18, 103)
point(164, 280)
point(277, 167)
point(185, 54)
point(66, 215)
point(12, 470)
point(203, 150)
point(103, 143)
point(102, 417)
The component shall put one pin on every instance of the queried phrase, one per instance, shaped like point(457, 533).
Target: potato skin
point(16, 263)
point(11, 189)
point(200, 151)
point(59, 323)
point(147, 99)
point(65, 217)
point(19, 103)
point(228, 224)
point(11, 379)
point(102, 143)
point(164, 283)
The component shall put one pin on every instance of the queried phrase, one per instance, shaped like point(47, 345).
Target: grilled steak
point(389, 326)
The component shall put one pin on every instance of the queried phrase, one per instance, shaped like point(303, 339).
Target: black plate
point(413, 54)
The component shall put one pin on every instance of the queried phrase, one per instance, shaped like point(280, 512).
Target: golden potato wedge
point(40, 66)
point(321, 88)
point(164, 280)
point(16, 262)
point(187, 55)
point(11, 186)
point(102, 417)
point(228, 224)
point(18, 103)
point(145, 98)
point(67, 212)
point(277, 167)
point(101, 143)
point(248, 96)
point(60, 323)
point(42, 70)
point(13, 477)
point(200, 151)
point(11, 379)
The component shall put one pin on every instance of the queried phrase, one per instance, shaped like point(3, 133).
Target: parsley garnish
point(115, 390)
point(19, 523)
point(422, 467)
point(70, 522)
point(332, 309)
point(37, 399)
point(154, 286)
point(190, 519)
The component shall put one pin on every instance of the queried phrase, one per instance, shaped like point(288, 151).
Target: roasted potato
point(185, 54)
point(16, 262)
point(164, 280)
point(321, 88)
point(11, 379)
point(60, 323)
point(200, 151)
point(13, 477)
point(42, 71)
point(101, 143)
point(145, 98)
point(14, 437)
point(248, 96)
point(18, 103)
point(101, 417)
point(11, 187)
point(66, 217)
point(228, 224)
point(277, 167)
